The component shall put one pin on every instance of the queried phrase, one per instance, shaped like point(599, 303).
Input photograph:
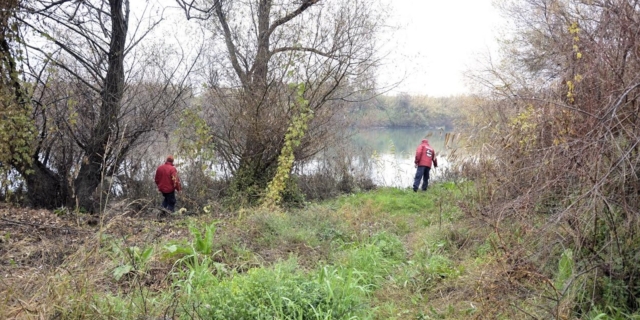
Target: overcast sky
point(434, 42)
point(437, 41)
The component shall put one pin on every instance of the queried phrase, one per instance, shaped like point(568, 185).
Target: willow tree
point(96, 93)
point(271, 47)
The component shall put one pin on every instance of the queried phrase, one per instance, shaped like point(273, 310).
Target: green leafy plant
point(61, 211)
point(565, 270)
point(137, 260)
point(202, 242)
point(195, 139)
point(295, 133)
point(281, 292)
point(194, 143)
point(17, 127)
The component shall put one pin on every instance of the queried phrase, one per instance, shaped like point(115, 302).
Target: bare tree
point(328, 46)
point(88, 112)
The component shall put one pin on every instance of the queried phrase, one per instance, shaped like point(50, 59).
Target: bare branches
point(565, 143)
point(202, 13)
point(306, 4)
point(301, 49)
point(231, 47)
point(51, 5)
point(68, 69)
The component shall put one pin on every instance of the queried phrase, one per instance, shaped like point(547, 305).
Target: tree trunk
point(104, 135)
point(257, 167)
point(45, 189)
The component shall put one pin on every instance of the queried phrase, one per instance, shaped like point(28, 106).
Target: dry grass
point(558, 167)
point(435, 269)
point(52, 262)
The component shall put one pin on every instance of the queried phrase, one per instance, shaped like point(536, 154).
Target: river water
point(392, 151)
point(386, 154)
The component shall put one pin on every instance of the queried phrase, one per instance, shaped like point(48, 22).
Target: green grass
point(282, 291)
point(384, 254)
point(393, 201)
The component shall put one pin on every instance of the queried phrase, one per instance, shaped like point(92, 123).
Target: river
point(386, 153)
point(392, 151)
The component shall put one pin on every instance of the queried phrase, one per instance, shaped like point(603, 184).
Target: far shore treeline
point(405, 110)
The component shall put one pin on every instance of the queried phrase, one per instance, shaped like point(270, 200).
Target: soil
point(37, 238)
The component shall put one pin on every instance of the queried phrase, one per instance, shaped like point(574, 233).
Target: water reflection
point(391, 152)
point(385, 155)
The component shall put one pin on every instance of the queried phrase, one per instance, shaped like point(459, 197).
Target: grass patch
point(385, 254)
point(438, 199)
point(282, 291)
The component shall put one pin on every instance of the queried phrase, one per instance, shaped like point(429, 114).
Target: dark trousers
point(169, 202)
point(422, 173)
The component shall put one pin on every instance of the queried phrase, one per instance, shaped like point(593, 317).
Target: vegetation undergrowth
point(557, 165)
point(384, 254)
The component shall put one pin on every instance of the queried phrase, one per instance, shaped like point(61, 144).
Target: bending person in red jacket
point(425, 157)
point(168, 183)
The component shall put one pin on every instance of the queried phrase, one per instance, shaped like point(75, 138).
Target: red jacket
point(425, 155)
point(167, 178)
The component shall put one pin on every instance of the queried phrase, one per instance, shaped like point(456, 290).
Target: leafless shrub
point(558, 152)
point(333, 172)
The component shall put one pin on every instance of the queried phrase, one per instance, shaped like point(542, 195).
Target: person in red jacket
point(168, 183)
point(425, 158)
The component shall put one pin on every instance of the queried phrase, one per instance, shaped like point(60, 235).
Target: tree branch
point(188, 6)
point(228, 41)
point(312, 50)
point(53, 4)
point(95, 72)
point(306, 4)
point(63, 66)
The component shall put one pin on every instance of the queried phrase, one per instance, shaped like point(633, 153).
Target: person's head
point(425, 141)
point(170, 158)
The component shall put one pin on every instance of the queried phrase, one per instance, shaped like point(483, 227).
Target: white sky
point(437, 41)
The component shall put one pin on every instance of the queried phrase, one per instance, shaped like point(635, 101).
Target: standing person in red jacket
point(168, 183)
point(425, 157)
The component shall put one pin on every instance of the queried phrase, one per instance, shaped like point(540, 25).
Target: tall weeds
point(559, 155)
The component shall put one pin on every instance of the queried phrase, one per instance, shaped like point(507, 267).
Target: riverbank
point(385, 254)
